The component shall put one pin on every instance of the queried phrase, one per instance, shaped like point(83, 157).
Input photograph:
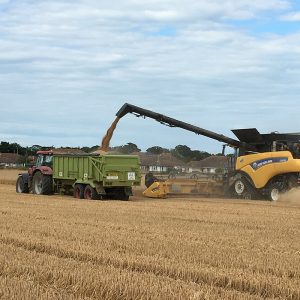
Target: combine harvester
point(263, 167)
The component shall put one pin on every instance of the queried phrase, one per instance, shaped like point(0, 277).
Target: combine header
point(264, 166)
point(183, 187)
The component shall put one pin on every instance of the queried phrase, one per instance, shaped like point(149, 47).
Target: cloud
point(166, 15)
point(291, 17)
point(66, 67)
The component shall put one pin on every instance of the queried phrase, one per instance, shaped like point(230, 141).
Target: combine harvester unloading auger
point(264, 165)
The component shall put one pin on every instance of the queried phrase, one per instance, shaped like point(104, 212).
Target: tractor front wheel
point(21, 186)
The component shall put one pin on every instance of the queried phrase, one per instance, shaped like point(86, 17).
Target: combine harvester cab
point(87, 176)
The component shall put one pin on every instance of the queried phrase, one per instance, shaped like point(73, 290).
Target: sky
point(66, 67)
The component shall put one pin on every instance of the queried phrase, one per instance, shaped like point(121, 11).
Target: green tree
point(128, 148)
point(157, 150)
point(182, 152)
point(6, 147)
point(199, 155)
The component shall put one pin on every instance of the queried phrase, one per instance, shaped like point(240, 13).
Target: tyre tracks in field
point(71, 278)
point(259, 288)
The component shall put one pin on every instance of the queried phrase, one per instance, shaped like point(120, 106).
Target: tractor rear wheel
point(90, 193)
point(42, 184)
point(79, 191)
point(21, 186)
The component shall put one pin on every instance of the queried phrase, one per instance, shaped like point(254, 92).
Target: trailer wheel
point(42, 184)
point(79, 191)
point(274, 192)
point(90, 193)
point(21, 186)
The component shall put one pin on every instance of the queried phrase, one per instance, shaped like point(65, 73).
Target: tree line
point(182, 152)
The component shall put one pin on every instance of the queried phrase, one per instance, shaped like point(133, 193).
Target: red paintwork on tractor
point(45, 152)
point(43, 169)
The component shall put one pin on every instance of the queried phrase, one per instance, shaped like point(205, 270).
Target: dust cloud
point(292, 196)
point(106, 139)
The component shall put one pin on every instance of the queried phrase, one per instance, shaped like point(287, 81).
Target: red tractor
point(38, 179)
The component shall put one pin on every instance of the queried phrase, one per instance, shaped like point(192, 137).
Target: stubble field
point(54, 247)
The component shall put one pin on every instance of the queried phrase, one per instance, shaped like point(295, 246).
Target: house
point(11, 160)
point(159, 162)
point(210, 165)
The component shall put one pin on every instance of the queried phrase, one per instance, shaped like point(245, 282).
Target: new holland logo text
point(263, 162)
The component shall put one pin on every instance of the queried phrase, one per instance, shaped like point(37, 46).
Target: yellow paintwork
point(156, 190)
point(262, 175)
point(161, 189)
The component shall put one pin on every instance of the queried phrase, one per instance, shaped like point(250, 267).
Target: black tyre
point(90, 193)
point(292, 182)
point(79, 191)
point(21, 186)
point(194, 176)
point(122, 197)
point(42, 184)
point(274, 192)
point(122, 194)
point(149, 179)
point(247, 196)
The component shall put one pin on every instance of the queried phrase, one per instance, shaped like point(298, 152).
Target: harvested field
point(9, 176)
point(54, 247)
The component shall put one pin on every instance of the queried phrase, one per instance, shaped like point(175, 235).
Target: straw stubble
point(60, 248)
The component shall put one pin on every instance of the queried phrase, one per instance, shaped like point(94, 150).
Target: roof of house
point(9, 158)
point(211, 162)
point(163, 160)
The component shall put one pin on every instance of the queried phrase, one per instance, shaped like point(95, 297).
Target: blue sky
point(66, 67)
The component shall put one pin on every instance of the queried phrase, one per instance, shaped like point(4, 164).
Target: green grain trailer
point(87, 176)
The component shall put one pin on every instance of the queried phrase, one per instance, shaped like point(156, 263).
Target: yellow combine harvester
point(264, 165)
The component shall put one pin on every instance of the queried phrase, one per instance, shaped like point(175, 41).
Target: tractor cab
point(44, 159)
